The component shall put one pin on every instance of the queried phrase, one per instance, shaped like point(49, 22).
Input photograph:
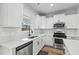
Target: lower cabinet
point(35, 47)
point(66, 51)
point(38, 45)
point(49, 40)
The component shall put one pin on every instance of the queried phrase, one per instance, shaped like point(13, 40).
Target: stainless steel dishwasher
point(25, 49)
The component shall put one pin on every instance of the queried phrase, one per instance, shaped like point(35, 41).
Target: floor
point(48, 50)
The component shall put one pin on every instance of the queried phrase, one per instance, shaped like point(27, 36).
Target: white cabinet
point(49, 21)
point(43, 22)
point(11, 14)
point(49, 40)
point(72, 21)
point(46, 22)
point(38, 45)
point(42, 42)
point(37, 22)
point(8, 51)
point(59, 17)
point(35, 46)
point(40, 21)
point(66, 51)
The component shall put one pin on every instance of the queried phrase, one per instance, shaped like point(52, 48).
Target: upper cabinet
point(43, 22)
point(37, 22)
point(49, 21)
point(11, 15)
point(72, 21)
point(59, 17)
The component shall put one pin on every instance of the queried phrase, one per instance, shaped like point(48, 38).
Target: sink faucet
point(30, 31)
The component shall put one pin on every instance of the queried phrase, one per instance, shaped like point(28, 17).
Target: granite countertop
point(72, 46)
point(17, 42)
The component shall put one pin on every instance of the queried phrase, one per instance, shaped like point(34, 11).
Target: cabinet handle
point(37, 43)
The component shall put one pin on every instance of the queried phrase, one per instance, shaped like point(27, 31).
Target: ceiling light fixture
point(38, 4)
point(51, 5)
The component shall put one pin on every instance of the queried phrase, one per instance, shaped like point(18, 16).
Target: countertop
point(14, 43)
point(72, 46)
point(17, 42)
point(73, 37)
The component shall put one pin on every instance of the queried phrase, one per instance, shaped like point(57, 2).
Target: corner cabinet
point(11, 14)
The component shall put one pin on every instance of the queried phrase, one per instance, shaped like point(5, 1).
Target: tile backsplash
point(16, 33)
point(69, 32)
point(72, 32)
point(43, 31)
point(12, 33)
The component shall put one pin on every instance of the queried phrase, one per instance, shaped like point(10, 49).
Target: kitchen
point(39, 28)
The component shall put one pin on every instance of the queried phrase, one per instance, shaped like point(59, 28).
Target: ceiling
point(45, 8)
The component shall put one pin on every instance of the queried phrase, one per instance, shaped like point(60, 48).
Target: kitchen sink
point(31, 37)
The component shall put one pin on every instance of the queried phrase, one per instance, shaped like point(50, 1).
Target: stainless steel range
point(59, 35)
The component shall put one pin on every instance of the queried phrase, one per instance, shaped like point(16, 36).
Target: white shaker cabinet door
point(35, 47)
point(40, 43)
point(72, 21)
point(49, 22)
point(43, 22)
point(49, 40)
point(11, 14)
point(59, 17)
point(37, 22)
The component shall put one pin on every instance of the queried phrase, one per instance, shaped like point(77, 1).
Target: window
point(26, 23)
